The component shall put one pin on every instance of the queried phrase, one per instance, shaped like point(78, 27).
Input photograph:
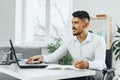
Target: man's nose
point(73, 25)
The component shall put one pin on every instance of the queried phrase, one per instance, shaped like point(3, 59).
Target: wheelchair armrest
point(108, 70)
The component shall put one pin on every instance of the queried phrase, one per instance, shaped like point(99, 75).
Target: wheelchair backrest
point(109, 58)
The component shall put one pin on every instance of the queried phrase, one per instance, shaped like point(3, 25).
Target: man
point(87, 49)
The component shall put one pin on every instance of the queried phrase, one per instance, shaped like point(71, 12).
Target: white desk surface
point(42, 73)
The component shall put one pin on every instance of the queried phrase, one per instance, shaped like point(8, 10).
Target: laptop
point(22, 63)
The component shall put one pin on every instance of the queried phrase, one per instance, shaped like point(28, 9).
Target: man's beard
point(78, 33)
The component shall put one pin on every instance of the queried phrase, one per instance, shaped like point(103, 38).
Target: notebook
point(22, 63)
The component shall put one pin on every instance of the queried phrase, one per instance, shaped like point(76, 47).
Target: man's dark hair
point(81, 15)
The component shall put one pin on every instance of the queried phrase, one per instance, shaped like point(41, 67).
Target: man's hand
point(81, 64)
point(37, 59)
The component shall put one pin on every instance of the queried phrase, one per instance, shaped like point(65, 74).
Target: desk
point(42, 73)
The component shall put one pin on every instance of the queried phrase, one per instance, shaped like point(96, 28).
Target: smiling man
point(87, 49)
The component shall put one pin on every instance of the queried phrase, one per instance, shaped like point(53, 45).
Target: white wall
point(7, 21)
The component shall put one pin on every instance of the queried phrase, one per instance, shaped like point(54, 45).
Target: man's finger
point(40, 59)
point(77, 66)
point(30, 60)
point(78, 62)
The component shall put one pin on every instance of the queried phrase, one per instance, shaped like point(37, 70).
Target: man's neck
point(82, 36)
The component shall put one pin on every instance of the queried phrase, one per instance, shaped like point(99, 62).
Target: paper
point(65, 67)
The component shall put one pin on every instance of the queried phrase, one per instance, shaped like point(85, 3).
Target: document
point(65, 67)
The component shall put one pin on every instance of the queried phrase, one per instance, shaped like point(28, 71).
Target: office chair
point(109, 71)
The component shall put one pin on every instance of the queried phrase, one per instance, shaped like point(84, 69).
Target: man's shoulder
point(68, 40)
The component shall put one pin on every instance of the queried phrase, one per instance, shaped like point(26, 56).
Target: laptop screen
point(13, 52)
point(42, 65)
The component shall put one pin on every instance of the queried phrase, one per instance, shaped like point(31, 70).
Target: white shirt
point(92, 49)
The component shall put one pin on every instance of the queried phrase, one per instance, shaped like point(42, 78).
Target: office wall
point(7, 21)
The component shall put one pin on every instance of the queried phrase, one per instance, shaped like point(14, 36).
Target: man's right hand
point(38, 59)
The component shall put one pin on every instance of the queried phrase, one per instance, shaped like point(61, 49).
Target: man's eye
point(76, 22)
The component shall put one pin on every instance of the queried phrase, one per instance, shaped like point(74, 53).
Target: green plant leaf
point(117, 58)
point(118, 44)
point(114, 45)
point(114, 42)
point(117, 51)
point(67, 59)
point(118, 28)
point(119, 55)
point(113, 49)
point(117, 36)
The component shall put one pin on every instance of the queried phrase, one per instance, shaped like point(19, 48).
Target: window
point(44, 20)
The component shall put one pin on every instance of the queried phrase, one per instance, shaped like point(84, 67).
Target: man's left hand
point(81, 64)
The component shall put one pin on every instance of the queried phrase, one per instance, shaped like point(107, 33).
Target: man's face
point(77, 26)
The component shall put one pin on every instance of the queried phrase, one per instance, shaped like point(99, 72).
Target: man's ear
point(86, 24)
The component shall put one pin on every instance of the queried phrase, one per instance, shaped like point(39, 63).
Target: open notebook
point(57, 66)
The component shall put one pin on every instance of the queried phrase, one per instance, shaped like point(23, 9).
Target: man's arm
point(100, 53)
point(56, 55)
point(98, 62)
point(59, 53)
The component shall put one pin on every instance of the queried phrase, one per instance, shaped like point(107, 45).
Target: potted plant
point(116, 52)
point(116, 45)
point(67, 59)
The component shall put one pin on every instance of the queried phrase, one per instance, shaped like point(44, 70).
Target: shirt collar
point(88, 38)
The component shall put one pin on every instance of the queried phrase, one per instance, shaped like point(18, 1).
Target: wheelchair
point(109, 71)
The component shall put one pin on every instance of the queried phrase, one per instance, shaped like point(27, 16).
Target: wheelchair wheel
point(109, 76)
